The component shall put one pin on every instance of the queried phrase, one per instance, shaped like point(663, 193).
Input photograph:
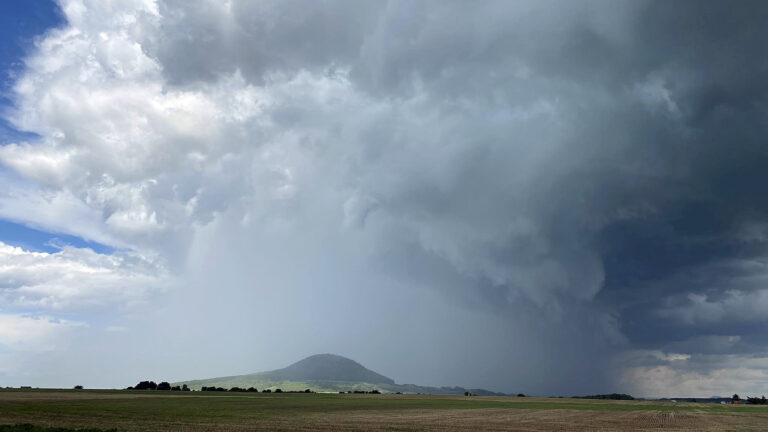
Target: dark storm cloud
point(197, 42)
point(579, 183)
point(585, 158)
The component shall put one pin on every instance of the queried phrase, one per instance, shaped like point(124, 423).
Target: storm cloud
point(550, 197)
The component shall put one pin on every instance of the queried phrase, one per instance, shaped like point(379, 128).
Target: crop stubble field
point(172, 411)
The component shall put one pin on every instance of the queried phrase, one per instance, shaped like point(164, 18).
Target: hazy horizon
point(547, 197)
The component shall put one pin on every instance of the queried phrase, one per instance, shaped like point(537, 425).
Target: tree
point(164, 386)
point(175, 388)
point(184, 388)
point(78, 387)
point(278, 390)
point(735, 398)
point(146, 385)
point(520, 395)
point(253, 389)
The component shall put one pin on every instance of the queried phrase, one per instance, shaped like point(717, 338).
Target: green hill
point(327, 367)
point(324, 373)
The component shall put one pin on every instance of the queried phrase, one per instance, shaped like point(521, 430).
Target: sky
point(547, 197)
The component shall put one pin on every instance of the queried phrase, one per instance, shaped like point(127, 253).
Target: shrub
point(612, 396)
point(146, 385)
point(212, 388)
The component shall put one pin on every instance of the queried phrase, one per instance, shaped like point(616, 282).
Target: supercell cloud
point(550, 197)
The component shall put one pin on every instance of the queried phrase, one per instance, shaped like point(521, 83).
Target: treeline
point(612, 396)
point(252, 390)
point(150, 385)
point(233, 389)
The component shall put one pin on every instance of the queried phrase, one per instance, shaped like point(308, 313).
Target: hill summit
point(327, 367)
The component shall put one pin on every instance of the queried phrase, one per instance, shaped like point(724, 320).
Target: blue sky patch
point(41, 241)
point(20, 23)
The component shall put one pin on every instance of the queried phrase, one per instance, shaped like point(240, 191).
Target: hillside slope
point(327, 367)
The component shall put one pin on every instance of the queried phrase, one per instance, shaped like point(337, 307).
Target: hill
point(325, 373)
point(327, 367)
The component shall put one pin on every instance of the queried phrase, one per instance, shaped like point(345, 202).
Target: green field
point(190, 411)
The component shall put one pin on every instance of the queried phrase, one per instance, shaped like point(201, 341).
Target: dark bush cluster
point(750, 400)
point(145, 385)
point(291, 391)
point(151, 385)
point(374, 391)
point(213, 388)
point(612, 396)
point(237, 389)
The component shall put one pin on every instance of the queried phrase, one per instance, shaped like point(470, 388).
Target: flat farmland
point(196, 411)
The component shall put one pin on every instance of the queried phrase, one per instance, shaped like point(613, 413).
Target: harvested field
point(167, 411)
